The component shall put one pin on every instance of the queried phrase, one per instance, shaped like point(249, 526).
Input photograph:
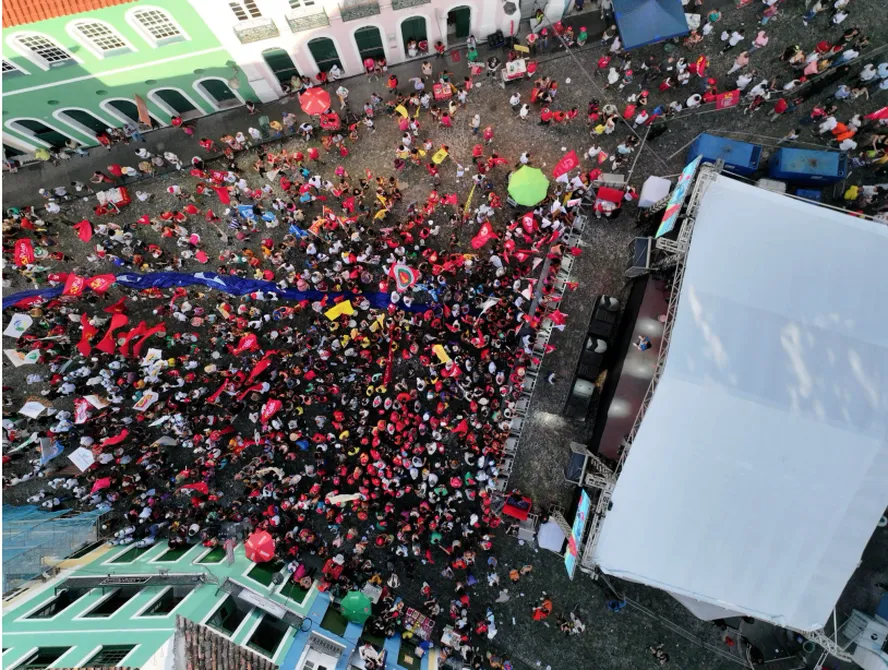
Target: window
point(299, 4)
point(57, 604)
point(158, 24)
point(111, 655)
point(8, 67)
point(42, 658)
point(245, 9)
point(229, 616)
point(111, 604)
point(268, 635)
point(44, 49)
point(101, 36)
point(168, 601)
point(129, 556)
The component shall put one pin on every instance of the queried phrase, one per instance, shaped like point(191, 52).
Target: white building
point(271, 40)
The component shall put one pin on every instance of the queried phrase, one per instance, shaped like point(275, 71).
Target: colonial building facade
point(69, 73)
point(271, 40)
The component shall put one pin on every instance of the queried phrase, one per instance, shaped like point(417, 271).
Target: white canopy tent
point(760, 468)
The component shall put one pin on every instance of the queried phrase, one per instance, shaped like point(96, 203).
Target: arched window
point(156, 26)
point(10, 68)
point(100, 38)
point(42, 50)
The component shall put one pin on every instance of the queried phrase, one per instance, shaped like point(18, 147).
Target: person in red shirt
point(488, 134)
point(207, 144)
point(559, 116)
point(314, 154)
point(546, 116)
point(115, 171)
point(779, 108)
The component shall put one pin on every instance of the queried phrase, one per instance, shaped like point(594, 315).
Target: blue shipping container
point(808, 166)
point(740, 157)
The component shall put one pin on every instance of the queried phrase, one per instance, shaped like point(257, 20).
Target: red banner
point(24, 252)
point(566, 164)
point(727, 99)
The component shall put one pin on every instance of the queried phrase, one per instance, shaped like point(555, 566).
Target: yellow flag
point(345, 307)
point(469, 200)
point(422, 153)
point(380, 214)
point(521, 48)
point(418, 108)
point(439, 156)
point(400, 109)
point(440, 353)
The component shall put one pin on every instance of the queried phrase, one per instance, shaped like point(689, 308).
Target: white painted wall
point(165, 657)
point(487, 16)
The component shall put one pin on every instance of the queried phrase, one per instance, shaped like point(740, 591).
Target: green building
point(69, 73)
point(149, 607)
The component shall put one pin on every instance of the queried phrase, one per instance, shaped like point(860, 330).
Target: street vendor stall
point(442, 91)
point(118, 196)
point(513, 71)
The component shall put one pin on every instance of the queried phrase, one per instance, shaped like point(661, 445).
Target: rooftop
point(21, 12)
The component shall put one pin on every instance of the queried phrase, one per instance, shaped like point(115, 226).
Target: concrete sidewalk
point(21, 188)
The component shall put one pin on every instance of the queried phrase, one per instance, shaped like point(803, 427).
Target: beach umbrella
point(260, 547)
point(315, 101)
point(528, 186)
point(356, 607)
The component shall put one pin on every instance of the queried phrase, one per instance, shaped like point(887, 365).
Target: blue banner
point(225, 283)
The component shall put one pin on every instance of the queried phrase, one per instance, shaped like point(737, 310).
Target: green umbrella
point(528, 186)
point(356, 607)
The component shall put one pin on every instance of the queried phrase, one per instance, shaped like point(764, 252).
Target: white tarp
point(551, 537)
point(759, 471)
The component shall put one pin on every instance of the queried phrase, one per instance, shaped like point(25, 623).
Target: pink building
point(271, 40)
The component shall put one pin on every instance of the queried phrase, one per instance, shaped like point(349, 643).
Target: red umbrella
point(315, 101)
point(260, 547)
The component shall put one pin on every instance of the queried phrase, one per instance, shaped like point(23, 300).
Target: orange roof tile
point(20, 12)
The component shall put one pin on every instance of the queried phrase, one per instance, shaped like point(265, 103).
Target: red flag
point(200, 487)
point(135, 332)
point(84, 230)
point(108, 342)
point(159, 328)
point(88, 331)
point(349, 205)
point(247, 343)
point(118, 307)
point(557, 317)
point(24, 252)
point(222, 192)
point(116, 439)
point(528, 222)
point(213, 398)
point(100, 484)
point(259, 368)
point(74, 285)
point(101, 283)
point(568, 162)
point(269, 409)
point(484, 235)
point(247, 391)
point(727, 99)
point(451, 199)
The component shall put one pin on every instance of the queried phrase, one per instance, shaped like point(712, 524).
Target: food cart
point(513, 71)
point(118, 196)
point(442, 91)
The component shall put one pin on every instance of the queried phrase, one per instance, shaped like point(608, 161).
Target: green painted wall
point(85, 635)
point(40, 93)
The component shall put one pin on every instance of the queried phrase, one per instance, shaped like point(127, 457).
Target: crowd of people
point(355, 398)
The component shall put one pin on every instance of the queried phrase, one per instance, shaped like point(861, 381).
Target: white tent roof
point(760, 469)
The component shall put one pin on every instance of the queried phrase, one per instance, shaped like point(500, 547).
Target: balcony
point(256, 30)
point(351, 10)
point(407, 4)
point(307, 19)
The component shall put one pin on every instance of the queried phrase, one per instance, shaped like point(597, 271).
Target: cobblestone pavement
point(610, 640)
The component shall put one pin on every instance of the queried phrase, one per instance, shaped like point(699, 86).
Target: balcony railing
point(351, 10)
point(255, 30)
point(407, 4)
point(307, 19)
